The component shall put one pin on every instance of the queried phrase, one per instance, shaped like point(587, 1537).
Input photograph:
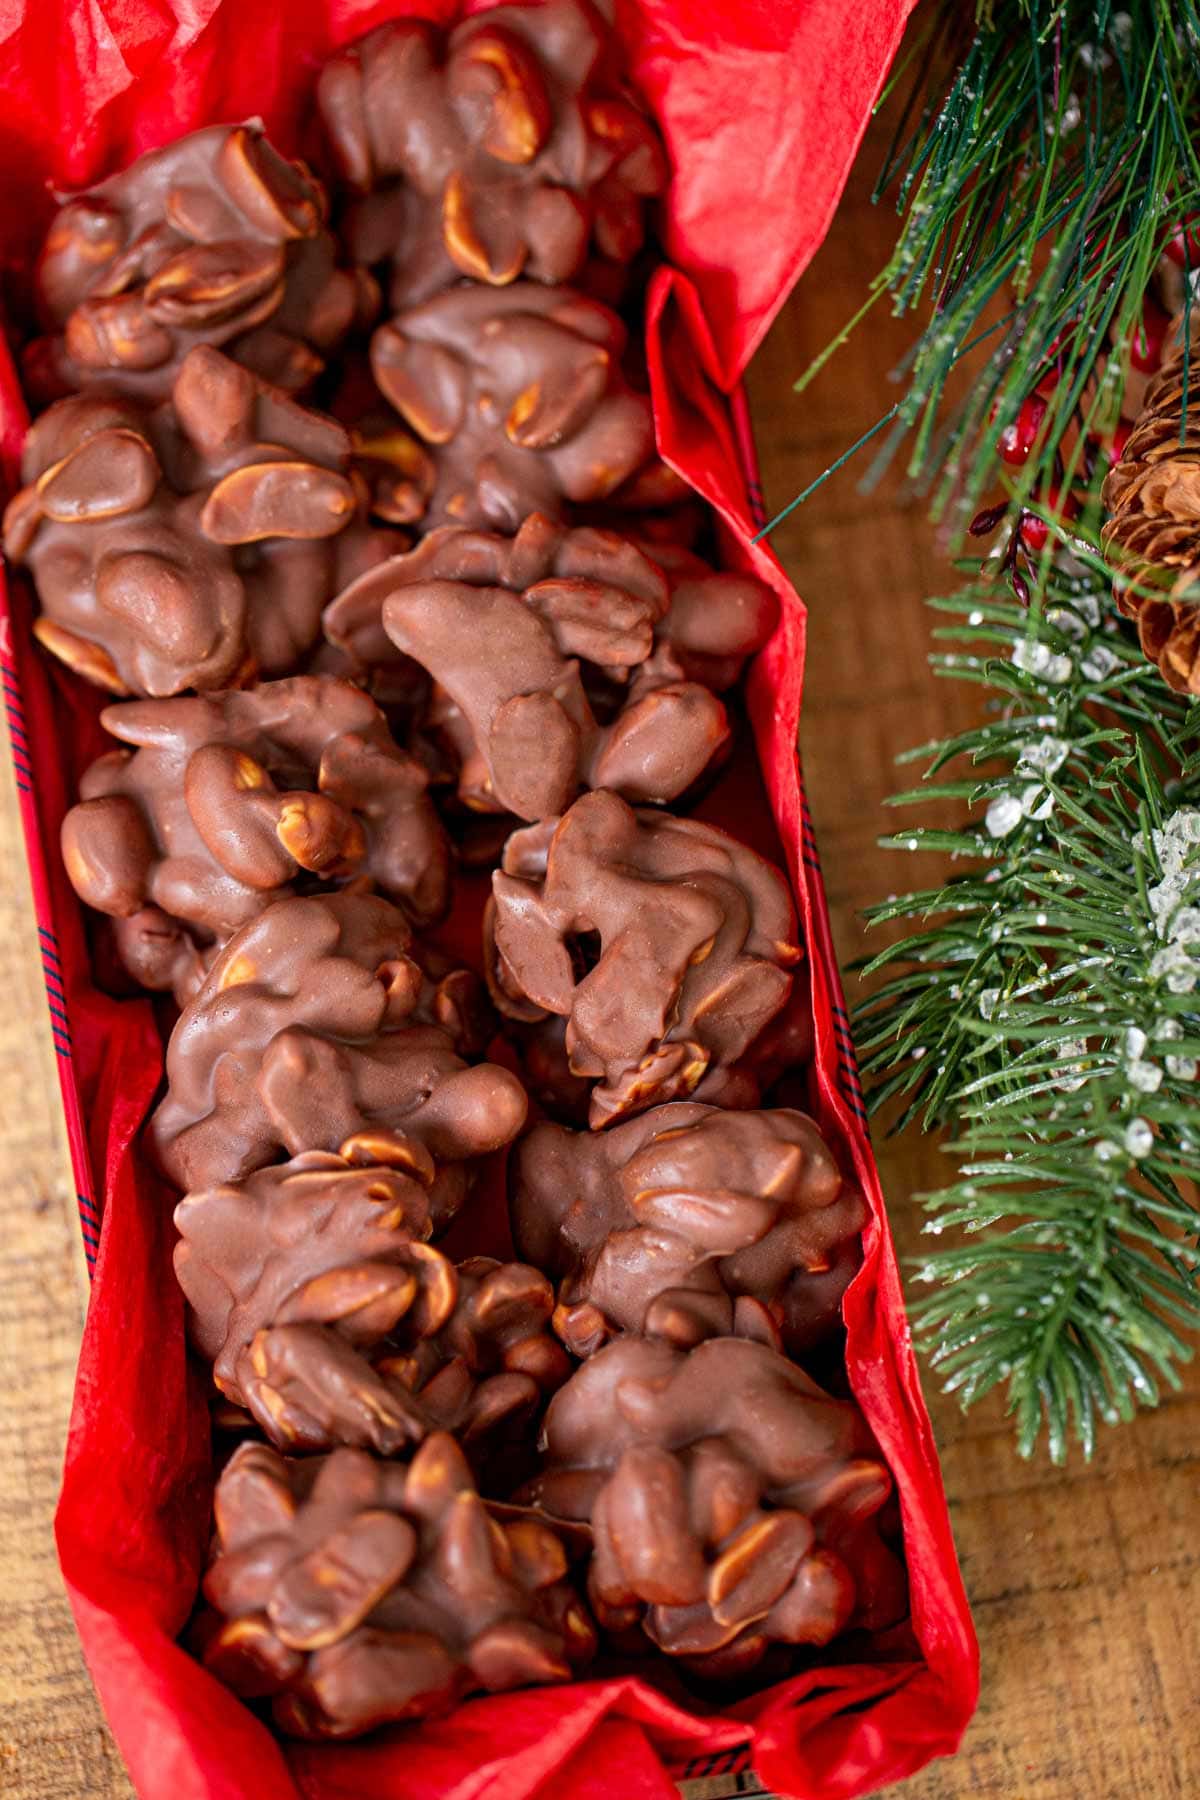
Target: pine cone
point(356, 1593)
point(1153, 534)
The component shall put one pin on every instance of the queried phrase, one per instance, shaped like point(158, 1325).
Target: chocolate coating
point(192, 546)
point(493, 1357)
point(686, 1223)
point(214, 239)
point(731, 1501)
point(229, 800)
point(330, 1238)
point(665, 944)
point(479, 1363)
point(519, 397)
point(783, 1048)
point(505, 147)
point(314, 1025)
point(325, 1313)
point(358, 1593)
point(560, 659)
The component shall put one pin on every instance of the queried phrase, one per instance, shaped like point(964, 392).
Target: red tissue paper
point(762, 104)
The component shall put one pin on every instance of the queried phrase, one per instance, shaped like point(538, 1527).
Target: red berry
point(1183, 245)
point(1007, 445)
point(1035, 530)
point(1119, 439)
point(1017, 440)
point(1146, 342)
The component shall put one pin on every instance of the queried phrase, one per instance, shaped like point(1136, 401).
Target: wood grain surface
point(1085, 1580)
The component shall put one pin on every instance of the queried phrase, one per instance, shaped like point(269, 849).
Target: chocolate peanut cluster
point(357, 1593)
point(730, 1500)
point(331, 1238)
point(316, 1024)
point(229, 801)
point(215, 239)
point(459, 632)
point(665, 944)
point(505, 147)
point(189, 546)
point(480, 1368)
point(326, 1313)
point(561, 658)
point(687, 1223)
point(520, 399)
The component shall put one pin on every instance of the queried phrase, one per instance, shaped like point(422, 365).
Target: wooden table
point(1085, 1580)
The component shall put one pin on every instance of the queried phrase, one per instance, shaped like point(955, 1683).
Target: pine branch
point(1047, 1000)
point(1038, 186)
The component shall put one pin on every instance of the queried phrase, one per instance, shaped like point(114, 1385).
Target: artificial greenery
point(1044, 1001)
point(1046, 153)
point(1046, 1004)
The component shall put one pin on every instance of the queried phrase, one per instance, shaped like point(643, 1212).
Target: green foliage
point(1039, 167)
point(1046, 1002)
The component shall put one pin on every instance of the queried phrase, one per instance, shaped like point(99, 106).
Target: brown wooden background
point(1085, 1581)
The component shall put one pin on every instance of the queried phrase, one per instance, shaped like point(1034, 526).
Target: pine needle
point(1051, 155)
point(1046, 1002)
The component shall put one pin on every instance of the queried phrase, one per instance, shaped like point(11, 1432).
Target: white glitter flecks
point(1174, 966)
point(1175, 901)
point(1038, 659)
point(1177, 839)
point(1003, 815)
point(1099, 663)
point(1036, 803)
point(1073, 1072)
point(1183, 926)
point(1068, 622)
point(1146, 1077)
point(1121, 30)
point(1072, 114)
point(1046, 756)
